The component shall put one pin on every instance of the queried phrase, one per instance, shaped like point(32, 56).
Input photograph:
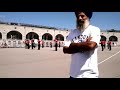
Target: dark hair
point(87, 13)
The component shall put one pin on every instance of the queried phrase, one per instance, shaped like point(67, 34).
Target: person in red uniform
point(27, 43)
point(32, 41)
point(51, 44)
point(109, 45)
point(42, 44)
point(39, 45)
point(103, 45)
point(59, 44)
point(56, 45)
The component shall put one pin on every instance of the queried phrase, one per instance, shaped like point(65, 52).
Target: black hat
point(87, 13)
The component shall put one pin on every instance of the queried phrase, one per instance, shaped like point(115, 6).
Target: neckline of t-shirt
point(84, 29)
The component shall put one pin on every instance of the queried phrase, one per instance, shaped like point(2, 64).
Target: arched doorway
point(32, 35)
point(113, 38)
point(103, 38)
point(59, 37)
point(47, 36)
point(14, 39)
point(14, 35)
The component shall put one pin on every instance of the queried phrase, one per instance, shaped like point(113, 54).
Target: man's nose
point(80, 18)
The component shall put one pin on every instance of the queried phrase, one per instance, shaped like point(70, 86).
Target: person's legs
point(110, 48)
point(38, 46)
point(32, 46)
point(102, 47)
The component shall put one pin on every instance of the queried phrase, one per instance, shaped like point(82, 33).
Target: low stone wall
point(20, 43)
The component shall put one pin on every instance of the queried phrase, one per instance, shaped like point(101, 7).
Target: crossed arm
point(79, 47)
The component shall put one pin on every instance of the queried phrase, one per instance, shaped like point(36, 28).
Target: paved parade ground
point(48, 63)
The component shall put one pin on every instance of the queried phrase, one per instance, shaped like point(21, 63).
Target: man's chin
point(81, 25)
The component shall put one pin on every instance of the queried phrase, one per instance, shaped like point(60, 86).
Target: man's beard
point(80, 24)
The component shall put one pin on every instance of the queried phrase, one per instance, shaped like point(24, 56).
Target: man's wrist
point(67, 43)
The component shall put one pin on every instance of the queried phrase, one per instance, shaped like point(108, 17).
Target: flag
point(107, 32)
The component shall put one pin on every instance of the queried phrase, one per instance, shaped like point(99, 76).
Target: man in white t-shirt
point(82, 43)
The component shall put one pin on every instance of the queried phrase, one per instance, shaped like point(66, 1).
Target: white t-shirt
point(84, 65)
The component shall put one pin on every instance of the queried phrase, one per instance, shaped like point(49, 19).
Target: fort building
point(14, 34)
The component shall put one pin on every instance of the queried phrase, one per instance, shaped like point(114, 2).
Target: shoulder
point(94, 27)
point(73, 31)
point(71, 34)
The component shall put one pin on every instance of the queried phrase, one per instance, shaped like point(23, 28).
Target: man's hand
point(88, 39)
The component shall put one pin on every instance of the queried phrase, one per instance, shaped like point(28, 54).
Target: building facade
point(14, 34)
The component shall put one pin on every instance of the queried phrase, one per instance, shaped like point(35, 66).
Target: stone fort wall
point(24, 30)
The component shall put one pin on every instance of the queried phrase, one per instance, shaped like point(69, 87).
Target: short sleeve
point(68, 40)
point(95, 34)
point(69, 37)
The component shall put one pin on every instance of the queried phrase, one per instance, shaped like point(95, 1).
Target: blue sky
point(103, 20)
